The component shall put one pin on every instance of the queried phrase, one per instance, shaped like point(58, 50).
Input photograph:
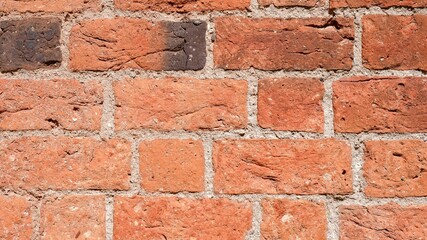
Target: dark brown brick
point(30, 44)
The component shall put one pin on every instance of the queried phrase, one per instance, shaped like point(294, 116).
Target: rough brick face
point(175, 104)
point(30, 44)
point(122, 43)
point(396, 168)
point(181, 5)
point(380, 105)
point(395, 42)
point(274, 44)
point(293, 219)
point(282, 166)
point(73, 217)
point(292, 104)
point(389, 221)
point(292, 3)
point(63, 163)
point(49, 5)
point(180, 218)
point(15, 218)
point(43, 105)
point(379, 3)
point(172, 165)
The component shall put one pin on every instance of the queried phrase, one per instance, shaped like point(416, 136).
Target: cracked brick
point(123, 43)
point(30, 44)
point(282, 167)
point(182, 5)
point(276, 44)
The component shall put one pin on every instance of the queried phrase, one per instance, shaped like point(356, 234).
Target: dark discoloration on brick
point(187, 45)
point(30, 44)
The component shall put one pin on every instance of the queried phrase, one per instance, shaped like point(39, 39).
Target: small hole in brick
point(397, 154)
point(344, 172)
point(401, 84)
point(76, 109)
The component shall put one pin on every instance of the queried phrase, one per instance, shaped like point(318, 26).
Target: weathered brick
point(389, 221)
point(180, 218)
point(293, 219)
point(15, 218)
point(172, 165)
point(293, 104)
point(56, 6)
point(282, 166)
point(181, 5)
point(292, 3)
point(393, 42)
point(175, 104)
point(73, 217)
point(380, 104)
point(63, 163)
point(379, 3)
point(274, 44)
point(396, 168)
point(30, 44)
point(122, 43)
point(43, 105)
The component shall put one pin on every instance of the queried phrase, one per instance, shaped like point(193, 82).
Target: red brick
point(293, 219)
point(15, 218)
point(282, 166)
point(181, 5)
point(175, 104)
point(275, 44)
point(172, 165)
point(375, 104)
point(62, 163)
point(396, 168)
point(123, 43)
point(395, 42)
point(180, 218)
point(292, 3)
point(43, 105)
point(379, 3)
point(389, 221)
point(73, 217)
point(56, 6)
point(292, 104)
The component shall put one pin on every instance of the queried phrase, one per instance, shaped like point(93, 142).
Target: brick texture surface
point(49, 6)
point(15, 218)
point(379, 3)
point(292, 3)
point(181, 5)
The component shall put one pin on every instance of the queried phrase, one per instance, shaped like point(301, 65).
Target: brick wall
point(212, 119)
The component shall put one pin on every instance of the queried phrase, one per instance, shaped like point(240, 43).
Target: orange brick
point(380, 104)
point(63, 163)
point(293, 219)
point(292, 104)
point(56, 6)
point(176, 104)
point(389, 221)
point(172, 165)
point(282, 166)
point(15, 218)
point(180, 218)
point(73, 217)
point(292, 3)
point(396, 168)
point(43, 105)
point(377, 3)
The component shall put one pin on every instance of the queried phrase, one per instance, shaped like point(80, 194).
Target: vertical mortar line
point(255, 232)
point(135, 178)
point(328, 111)
point(357, 50)
point(209, 170)
point(332, 216)
point(254, 6)
point(109, 217)
point(66, 27)
point(357, 153)
point(252, 102)
point(36, 220)
point(107, 120)
point(107, 6)
point(210, 38)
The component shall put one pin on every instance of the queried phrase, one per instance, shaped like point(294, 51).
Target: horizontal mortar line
point(274, 12)
point(336, 199)
point(121, 75)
